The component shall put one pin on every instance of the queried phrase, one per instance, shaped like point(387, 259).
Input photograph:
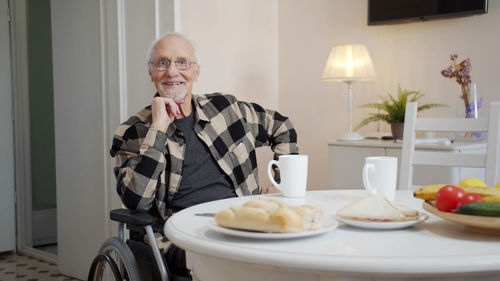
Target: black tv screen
point(398, 11)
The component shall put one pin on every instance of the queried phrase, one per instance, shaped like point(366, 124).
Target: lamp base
point(352, 136)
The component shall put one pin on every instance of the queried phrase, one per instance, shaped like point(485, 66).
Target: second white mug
point(380, 174)
point(293, 175)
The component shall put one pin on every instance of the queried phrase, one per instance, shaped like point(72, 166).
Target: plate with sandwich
point(267, 218)
point(376, 212)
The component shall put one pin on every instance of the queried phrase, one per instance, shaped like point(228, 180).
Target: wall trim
point(122, 66)
point(167, 17)
point(114, 98)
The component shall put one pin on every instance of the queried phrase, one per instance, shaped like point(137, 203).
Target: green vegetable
point(490, 209)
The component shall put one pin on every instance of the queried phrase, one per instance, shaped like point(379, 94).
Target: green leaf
point(430, 105)
point(392, 109)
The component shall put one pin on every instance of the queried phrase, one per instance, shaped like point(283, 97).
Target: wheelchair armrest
point(131, 217)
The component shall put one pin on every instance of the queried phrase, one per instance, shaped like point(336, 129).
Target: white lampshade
point(349, 63)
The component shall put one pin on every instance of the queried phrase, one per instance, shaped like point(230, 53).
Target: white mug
point(380, 175)
point(293, 175)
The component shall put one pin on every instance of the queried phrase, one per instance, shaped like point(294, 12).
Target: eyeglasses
point(163, 65)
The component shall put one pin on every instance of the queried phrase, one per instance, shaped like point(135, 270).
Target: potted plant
point(392, 110)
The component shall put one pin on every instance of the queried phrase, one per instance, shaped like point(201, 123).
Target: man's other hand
point(269, 189)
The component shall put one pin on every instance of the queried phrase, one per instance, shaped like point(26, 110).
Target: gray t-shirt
point(202, 179)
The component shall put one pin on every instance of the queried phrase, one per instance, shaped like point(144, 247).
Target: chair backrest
point(489, 160)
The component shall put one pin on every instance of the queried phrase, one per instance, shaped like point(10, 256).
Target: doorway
point(34, 126)
point(41, 100)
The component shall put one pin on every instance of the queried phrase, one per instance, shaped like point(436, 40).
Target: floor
point(16, 267)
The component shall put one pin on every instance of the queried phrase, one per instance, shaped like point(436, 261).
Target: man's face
point(172, 82)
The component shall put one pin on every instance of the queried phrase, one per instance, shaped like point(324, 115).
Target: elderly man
point(187, 149)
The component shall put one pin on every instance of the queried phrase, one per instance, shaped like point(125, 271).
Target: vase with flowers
point(461, 73)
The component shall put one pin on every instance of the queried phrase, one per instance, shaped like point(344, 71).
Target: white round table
point(433, 250)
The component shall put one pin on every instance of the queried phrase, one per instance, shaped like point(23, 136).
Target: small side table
point(346, 160)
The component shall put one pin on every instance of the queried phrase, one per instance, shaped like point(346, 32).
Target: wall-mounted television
point(400, 11)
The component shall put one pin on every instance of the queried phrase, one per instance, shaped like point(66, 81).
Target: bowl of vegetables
point(477, 207)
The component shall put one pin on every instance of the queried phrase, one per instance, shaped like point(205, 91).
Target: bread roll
point(270, 205)
point(269, 215)
point(312, 217)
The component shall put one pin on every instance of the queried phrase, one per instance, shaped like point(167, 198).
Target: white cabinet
point(346, 160)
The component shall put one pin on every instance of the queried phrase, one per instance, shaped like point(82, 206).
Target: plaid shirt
point(149, 162)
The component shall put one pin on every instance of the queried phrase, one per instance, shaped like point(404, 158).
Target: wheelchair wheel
point(125, 261)
point(98, 264)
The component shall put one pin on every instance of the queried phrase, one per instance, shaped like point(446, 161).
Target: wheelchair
point(133, 259)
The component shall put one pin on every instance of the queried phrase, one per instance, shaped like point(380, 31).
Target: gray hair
point(179, 35)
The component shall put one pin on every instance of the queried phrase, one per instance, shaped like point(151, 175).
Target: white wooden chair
point(489, 160)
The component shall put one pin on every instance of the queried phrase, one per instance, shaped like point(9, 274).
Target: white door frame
point(7, 182)
point(20, 75)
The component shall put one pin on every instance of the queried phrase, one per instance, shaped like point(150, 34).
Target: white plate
point(328, 224)
point(384, 224)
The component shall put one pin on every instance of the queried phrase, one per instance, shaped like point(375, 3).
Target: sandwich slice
point(412, 214)
point(372, 208)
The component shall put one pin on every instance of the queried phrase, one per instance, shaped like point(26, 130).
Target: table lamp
point(349, 63)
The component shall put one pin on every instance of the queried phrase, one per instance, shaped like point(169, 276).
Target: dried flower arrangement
point(461, 73)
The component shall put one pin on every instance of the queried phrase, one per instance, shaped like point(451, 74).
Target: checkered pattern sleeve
point(140, 161)
point(271, 128)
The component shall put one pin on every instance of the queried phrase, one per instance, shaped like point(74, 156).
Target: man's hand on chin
point(269, 189)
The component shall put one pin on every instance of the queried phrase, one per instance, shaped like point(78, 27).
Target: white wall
point(411, 54)
point(79, 133)
point(237, 41)
point(238, 45)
